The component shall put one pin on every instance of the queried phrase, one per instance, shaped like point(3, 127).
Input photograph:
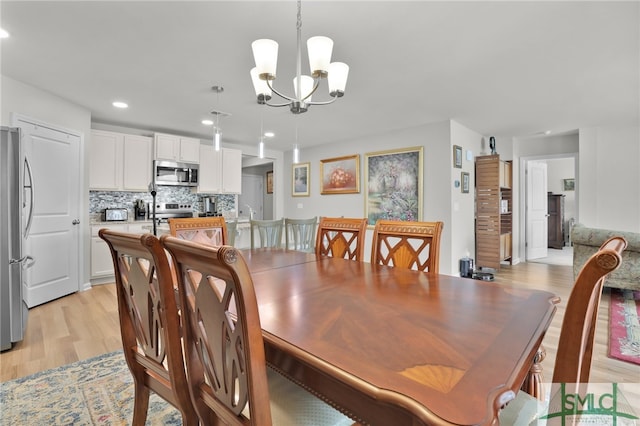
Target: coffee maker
point(210, 206)
point(140, 210)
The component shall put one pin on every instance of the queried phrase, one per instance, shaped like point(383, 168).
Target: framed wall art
point(457, 157)
point(300, 180)
point(270, 182)
point(340, 175)
point(464, 178)
point(568, 184)
point(393, 182)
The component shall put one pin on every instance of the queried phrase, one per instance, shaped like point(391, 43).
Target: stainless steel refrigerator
point(16, 214)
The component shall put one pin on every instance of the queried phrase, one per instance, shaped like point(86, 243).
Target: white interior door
point(252, 187)
point(54, 239)
point(537, 214)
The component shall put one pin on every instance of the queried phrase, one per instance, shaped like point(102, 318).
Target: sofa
point(586, 241)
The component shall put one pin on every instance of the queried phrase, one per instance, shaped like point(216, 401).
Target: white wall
point(436, 140)
point(17, 97)
point(609, 184)
point(462, 223)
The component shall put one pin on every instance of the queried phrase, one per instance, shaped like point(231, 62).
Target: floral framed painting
point(340, 175)
point(300, 180)
point(393, 182)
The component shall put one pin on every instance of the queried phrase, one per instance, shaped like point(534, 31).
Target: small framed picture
point(300, 180)
point(270, 182)
point(569, 184)
point(464, 188)
point(340, 175)
point(457, 157)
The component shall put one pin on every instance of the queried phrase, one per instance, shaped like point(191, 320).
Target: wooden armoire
point(494, 220)
point(555, 210)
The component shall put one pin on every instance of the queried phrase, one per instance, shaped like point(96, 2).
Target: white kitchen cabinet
point(220, 171)
point(177, 148)
point(137, 161)
point(231, 171)
point(119, 162)
point(101, 261)
point(105, 165)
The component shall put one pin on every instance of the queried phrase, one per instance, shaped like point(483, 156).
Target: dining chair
point(300, 234)
point(575, 345)
point(149, 322)
point(410, 245)
point(269, 232)
point(232, 231)
point(226, 367)
point(341, 237)
point(204, 230)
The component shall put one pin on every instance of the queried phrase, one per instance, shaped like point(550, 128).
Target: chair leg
point(189, 417)
point(533, 383)
point(140, 404)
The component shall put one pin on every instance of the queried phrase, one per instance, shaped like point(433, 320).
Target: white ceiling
point(500, 68)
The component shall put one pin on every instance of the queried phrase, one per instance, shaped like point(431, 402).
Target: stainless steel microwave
point(175, 174)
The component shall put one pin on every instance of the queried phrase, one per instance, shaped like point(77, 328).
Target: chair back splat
point(410, 245)
point(204, 230)
point(227, 372)
point(149, 322)
point(300, 234)
point(268, 231)
point(341, 237)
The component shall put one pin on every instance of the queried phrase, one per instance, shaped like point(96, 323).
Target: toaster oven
point(115, 215)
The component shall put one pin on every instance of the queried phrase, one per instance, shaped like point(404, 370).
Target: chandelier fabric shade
point(319, 50)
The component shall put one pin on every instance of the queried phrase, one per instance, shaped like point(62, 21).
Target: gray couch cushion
point(586, 241)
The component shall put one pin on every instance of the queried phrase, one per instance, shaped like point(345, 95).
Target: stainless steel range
point(165, 211)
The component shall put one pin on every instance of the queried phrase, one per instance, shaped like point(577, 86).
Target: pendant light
point(261, 144)
point(319, 49)
point(217, 134)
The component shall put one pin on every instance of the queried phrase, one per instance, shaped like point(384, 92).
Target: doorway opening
point(256, 199)
point(560, 207)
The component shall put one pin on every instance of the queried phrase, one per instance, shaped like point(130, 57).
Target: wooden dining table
point(390, 346)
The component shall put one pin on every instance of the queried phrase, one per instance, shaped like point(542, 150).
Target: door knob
point(75, 222)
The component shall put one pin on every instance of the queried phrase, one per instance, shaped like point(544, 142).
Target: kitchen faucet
point(251, 211)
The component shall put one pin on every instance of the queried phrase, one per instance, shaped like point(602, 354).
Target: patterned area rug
point(624, 325)
point(96, 391)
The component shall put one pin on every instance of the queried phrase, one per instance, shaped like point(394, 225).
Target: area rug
point(96, 391)
point(624, 325)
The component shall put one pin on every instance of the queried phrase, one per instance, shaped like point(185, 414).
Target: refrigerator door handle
point(31, 196)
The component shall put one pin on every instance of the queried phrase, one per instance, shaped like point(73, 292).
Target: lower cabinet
point(101, 261)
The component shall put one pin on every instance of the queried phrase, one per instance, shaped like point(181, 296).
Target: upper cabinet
point(176, 148)
point(119, 162)
point(220, 171)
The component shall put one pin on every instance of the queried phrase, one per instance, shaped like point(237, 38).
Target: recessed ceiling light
point(119, 104)
point(548, 132)
point(269, 134)
point(3, 33)
point(207, 122)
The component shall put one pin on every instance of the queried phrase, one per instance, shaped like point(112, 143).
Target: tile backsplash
point(100, 200)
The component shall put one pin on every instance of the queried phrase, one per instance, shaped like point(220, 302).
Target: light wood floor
point(85, 324)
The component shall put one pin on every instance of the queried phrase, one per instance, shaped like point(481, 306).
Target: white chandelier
point(265, 54)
